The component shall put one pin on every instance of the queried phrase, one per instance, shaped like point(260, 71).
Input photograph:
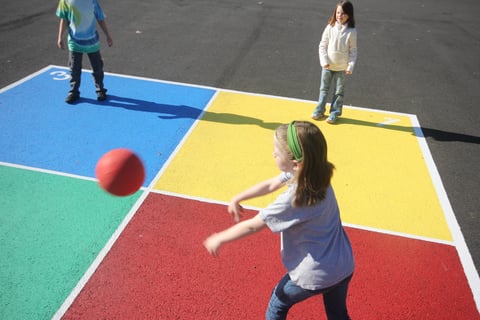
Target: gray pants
point(75, 64)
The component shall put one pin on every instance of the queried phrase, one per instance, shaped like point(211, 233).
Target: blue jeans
point(286, 294)
point(338, 79)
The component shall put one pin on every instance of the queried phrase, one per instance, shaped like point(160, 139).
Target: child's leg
point(324, 88)
point(97, 65)
point(75, 65)
point(284, 296)
point(335, 301)
point(337, 103)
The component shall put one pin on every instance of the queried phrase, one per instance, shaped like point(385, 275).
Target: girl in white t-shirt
point(338, 53)
point(315, 248)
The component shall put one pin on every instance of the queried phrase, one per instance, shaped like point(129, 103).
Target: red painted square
point(158, 269)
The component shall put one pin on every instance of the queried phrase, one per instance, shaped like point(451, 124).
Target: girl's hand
point(236, 210)
point(212, 244)
point(348, 72)
point(327, 66)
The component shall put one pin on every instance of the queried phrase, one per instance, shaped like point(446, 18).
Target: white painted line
point(353, 226)
point(19, 82)
point(459, 241)
point(58, 173)
point(182, 142)
point(100, 257)
point(236, 91)
point(387, 122)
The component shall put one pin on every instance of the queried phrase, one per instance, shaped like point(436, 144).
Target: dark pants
point(286, 294)
point(75, 64)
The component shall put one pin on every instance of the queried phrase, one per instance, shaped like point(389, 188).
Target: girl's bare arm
point(260, 189)
point(237, 231)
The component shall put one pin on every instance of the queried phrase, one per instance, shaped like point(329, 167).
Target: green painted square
point(51, 229)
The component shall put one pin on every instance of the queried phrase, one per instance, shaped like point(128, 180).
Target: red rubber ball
point(120, 172)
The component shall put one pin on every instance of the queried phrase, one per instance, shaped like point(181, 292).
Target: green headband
point(292, 141)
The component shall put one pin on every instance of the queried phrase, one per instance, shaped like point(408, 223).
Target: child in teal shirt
point(80, 18)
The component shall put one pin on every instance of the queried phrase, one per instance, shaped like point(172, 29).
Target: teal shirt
point(82, 16)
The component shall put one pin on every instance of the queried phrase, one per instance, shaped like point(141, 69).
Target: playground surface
point(77, 252)
point(201, 114)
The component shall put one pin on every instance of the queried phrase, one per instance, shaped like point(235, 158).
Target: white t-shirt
point(315, 248)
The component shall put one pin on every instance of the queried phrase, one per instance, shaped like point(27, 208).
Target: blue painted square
point(38, 129)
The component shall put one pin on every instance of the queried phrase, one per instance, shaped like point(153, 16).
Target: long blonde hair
point(315, 171)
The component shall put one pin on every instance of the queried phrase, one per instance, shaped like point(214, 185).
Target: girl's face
point(342, 17)
point(284, 163)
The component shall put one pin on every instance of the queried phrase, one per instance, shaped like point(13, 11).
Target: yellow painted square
point(381, 179)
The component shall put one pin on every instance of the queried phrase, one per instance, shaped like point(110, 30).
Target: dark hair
point(347, 8)
point(313, 178)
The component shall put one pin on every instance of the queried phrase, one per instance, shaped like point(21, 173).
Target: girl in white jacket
point(338, 54)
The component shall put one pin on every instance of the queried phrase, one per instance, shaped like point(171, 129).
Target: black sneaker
point(101, 95)
point(72, 97)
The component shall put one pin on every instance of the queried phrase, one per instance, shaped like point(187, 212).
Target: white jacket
point(338, 47)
